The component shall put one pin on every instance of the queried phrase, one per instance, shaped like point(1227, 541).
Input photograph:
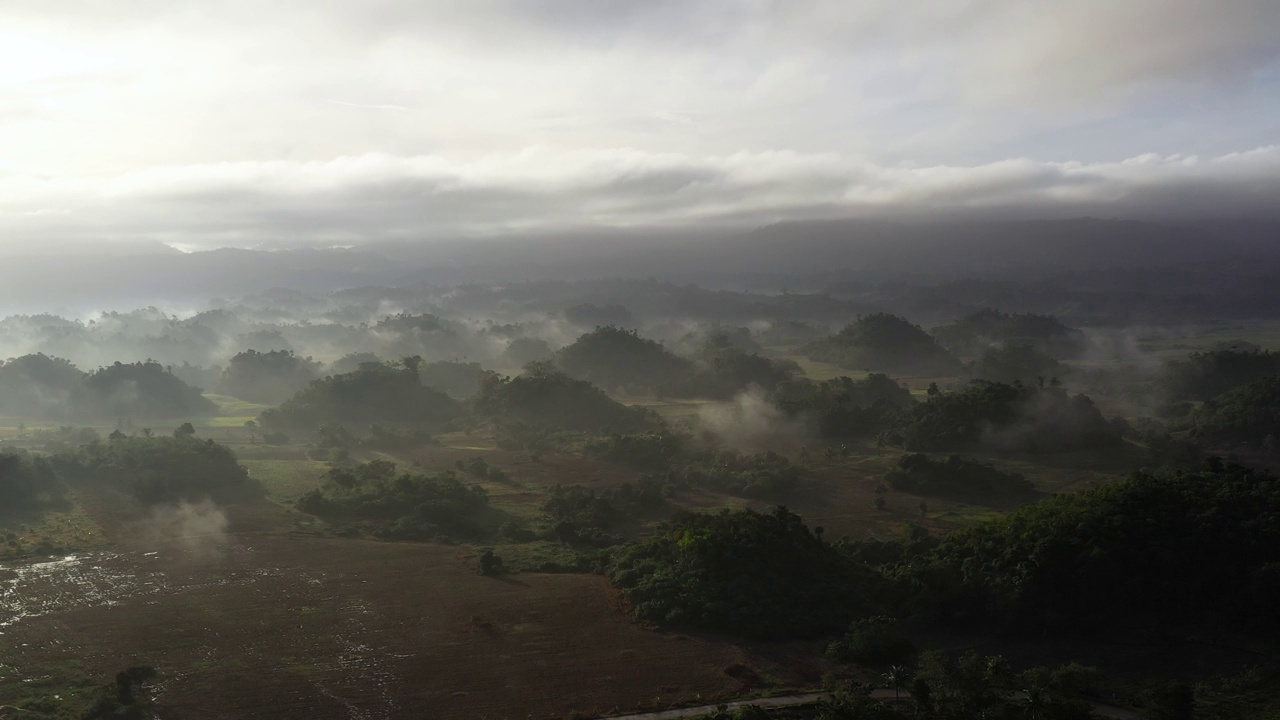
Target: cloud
point(378, 196)
point(239, 121)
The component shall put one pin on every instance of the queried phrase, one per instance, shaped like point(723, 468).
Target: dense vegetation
point(1016, 363)
point(267, 377)
point(404, 506)
point(374, 394)
point(143, 389)
point(612, 357)
point(744, 573)
point(38, 386)
point(161, 469)
point(546, 398)
point(884, 343)
point(842, 408)
point(1205, 375)
point(1016, 418)
point(458, 380)
point(1153, 550)
point(957, 478)
point(765, 475)
point(974, 333)
point(28, 483)
point(723, 370)
point(1248, 414)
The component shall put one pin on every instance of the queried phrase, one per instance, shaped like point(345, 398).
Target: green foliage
point(490, 564)
point(143, 389)
point(126, 698)
point(39, 386)
point(160, 469)
point(479, 468)
point(372, 394)
point(578, 515)
point(28, 483)
point(612, 357)
point(524, 350)
point(885, 343)
point(957, 478)
point(646, 451)
point(1168, 549)
point(1016, 363)
point(267, 377)
point(843, 408)
point(725, 370)
point(997, 416)
point(973, 333)
point(766, 475)
point(401, 506)
point(855, 706)
point(743, 573)
point(877, 640)
point(550, 400)
point(458, 380)
point(1206, 375)
point(352, 362)
point(1247, 414)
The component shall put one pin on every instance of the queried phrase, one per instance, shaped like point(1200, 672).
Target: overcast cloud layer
point(237, 123)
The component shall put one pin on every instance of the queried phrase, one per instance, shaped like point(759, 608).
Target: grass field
point(263, 623)
point(280, 607)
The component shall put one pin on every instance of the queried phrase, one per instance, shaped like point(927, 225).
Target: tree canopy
point(372, 394)
point(547, 398)
point(267, 377)
point(884, 343)
point(758, 575)
point(612, 357)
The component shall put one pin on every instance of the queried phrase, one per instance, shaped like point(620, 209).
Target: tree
point(897, 677)
point(186, 429)
point(252, 427)
point(490, 564)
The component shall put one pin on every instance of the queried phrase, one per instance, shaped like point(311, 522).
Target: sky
point(208, 123)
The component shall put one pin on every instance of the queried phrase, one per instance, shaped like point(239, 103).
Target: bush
point(957, 478)
point(162, 469)
point(744, 573)
point(875, 640)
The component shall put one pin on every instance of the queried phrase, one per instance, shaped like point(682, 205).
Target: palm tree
point(897, 678)
point(1035, 701)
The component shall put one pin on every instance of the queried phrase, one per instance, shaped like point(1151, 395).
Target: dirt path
point(770, 702)
point(1102, 709)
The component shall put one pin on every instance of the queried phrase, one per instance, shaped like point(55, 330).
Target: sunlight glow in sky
point(237, 123)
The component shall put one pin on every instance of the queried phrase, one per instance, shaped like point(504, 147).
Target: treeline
point(160, 469)
point(1154, 551)
point(42, 387)
point(958, 478)
point(153, 470)
point(399, 505)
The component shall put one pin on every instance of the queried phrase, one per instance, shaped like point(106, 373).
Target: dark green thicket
point(759, 575)
point(161, 469)
point(1159, 550)
point(547, 399)
point(1249, 414)
point(374, 394)
point(1018, 418)
point(884, 343)
point(958, 478)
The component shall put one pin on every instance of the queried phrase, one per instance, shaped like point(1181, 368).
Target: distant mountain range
point(794, 255)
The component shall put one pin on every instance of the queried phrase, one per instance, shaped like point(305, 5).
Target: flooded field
point(282, 626)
